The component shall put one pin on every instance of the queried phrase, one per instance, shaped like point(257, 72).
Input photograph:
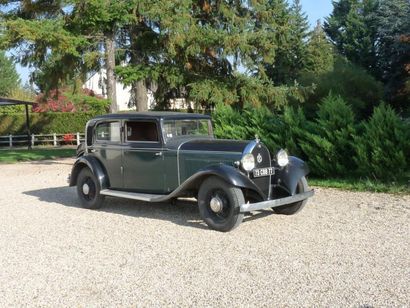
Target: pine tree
point(102, 20)
point(291, 53)
point(189, 49)
point(63, 40)
point(352, 29)
point(299, 35)
point(39, 31)
point(375, 35)
point(394, 49)
point(198, 46)
point(9, 79)
point(320, 54)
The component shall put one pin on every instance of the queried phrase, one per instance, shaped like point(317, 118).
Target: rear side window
point(108, 131)
point(142, 131)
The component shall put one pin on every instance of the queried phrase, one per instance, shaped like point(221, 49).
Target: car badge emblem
point(259, 158)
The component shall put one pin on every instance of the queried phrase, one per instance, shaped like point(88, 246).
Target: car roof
point(153, 115)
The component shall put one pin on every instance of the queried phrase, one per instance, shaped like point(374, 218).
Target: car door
point(108, 149)
point(143, 159)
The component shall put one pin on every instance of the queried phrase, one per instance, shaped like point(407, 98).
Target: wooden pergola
point(11, 102)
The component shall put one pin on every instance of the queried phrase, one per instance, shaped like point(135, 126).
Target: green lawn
point(12, 156)
point(362, 185)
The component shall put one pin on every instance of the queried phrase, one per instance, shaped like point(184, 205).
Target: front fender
point(289, 176)
point(94, 165)
point(227, 173)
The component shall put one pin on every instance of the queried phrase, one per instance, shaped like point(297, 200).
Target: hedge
point(44, 123)
point(333, 142)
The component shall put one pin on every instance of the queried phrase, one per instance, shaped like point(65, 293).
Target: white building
point(97, 84)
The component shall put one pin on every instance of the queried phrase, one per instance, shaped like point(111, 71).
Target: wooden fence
point(42, 139)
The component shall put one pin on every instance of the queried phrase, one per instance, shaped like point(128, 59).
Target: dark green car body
point(158, 156)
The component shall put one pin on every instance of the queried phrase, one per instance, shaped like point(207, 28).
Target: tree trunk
point(139, 94)
point(138, 89)
point(109, 67)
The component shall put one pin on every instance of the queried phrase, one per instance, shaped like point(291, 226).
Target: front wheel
point(219, 204)
point(293, 208)
point(88, 190)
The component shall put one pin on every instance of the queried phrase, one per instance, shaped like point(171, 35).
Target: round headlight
point(248, 162)
point(282, 158)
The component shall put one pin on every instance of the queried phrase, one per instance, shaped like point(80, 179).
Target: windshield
point(192, 127)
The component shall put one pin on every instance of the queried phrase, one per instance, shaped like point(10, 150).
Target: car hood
point(209, 144)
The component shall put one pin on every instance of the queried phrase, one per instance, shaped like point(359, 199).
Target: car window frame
point(211, 128)
point(135, 143)
point(99, 141)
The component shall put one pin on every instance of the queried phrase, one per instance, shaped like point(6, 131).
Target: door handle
point(158, 154)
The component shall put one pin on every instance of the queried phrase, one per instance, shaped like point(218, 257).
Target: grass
point(13, 156)
point(362, 185)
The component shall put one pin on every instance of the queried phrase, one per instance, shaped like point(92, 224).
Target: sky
point(315, 10)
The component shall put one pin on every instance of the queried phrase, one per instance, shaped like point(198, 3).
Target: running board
point(134, 196)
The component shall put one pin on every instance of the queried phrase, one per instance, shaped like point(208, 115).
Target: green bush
point(333, 144)
point(228, 123)
point(292, 130)
point(246, 124)
point(263, 123)
point(87, 100)
point(329, 141)
point(12, 109)
point(45, 123)
point(383, 146)
point(358, 88)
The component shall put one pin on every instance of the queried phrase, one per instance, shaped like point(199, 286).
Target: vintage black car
point(160, 156)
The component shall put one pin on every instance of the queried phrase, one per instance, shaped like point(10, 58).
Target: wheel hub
point(86, 189)
point(216, 204)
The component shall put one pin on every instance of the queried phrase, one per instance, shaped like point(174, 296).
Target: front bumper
point(248, 207)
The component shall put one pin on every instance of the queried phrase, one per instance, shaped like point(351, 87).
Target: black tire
point(93, 199)
point(293, 208)
point(231, 198)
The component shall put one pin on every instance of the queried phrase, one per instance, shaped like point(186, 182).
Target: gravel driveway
point(343, 249)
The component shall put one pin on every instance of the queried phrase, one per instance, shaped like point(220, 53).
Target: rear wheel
point(219, 204)
point(88, 190)
point(293, 208)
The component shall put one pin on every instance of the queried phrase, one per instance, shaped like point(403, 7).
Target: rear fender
point(94, 165)
point(289, 176)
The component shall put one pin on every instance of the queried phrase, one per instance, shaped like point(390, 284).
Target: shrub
point(275, 131)
point(89, 101)
point(329, 142)
point(291, 131)
point(228, 123)
point(58, 100)
point(263, 123)
point(354, 84)
point(246, 124)
point(45, 123)
point(383, 147)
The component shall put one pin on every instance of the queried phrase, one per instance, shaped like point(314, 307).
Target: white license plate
point(263, 172)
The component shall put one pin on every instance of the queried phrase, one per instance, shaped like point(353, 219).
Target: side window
point(108, 131)
point(142, 131)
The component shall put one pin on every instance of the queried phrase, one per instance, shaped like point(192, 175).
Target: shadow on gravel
point(183, 212)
